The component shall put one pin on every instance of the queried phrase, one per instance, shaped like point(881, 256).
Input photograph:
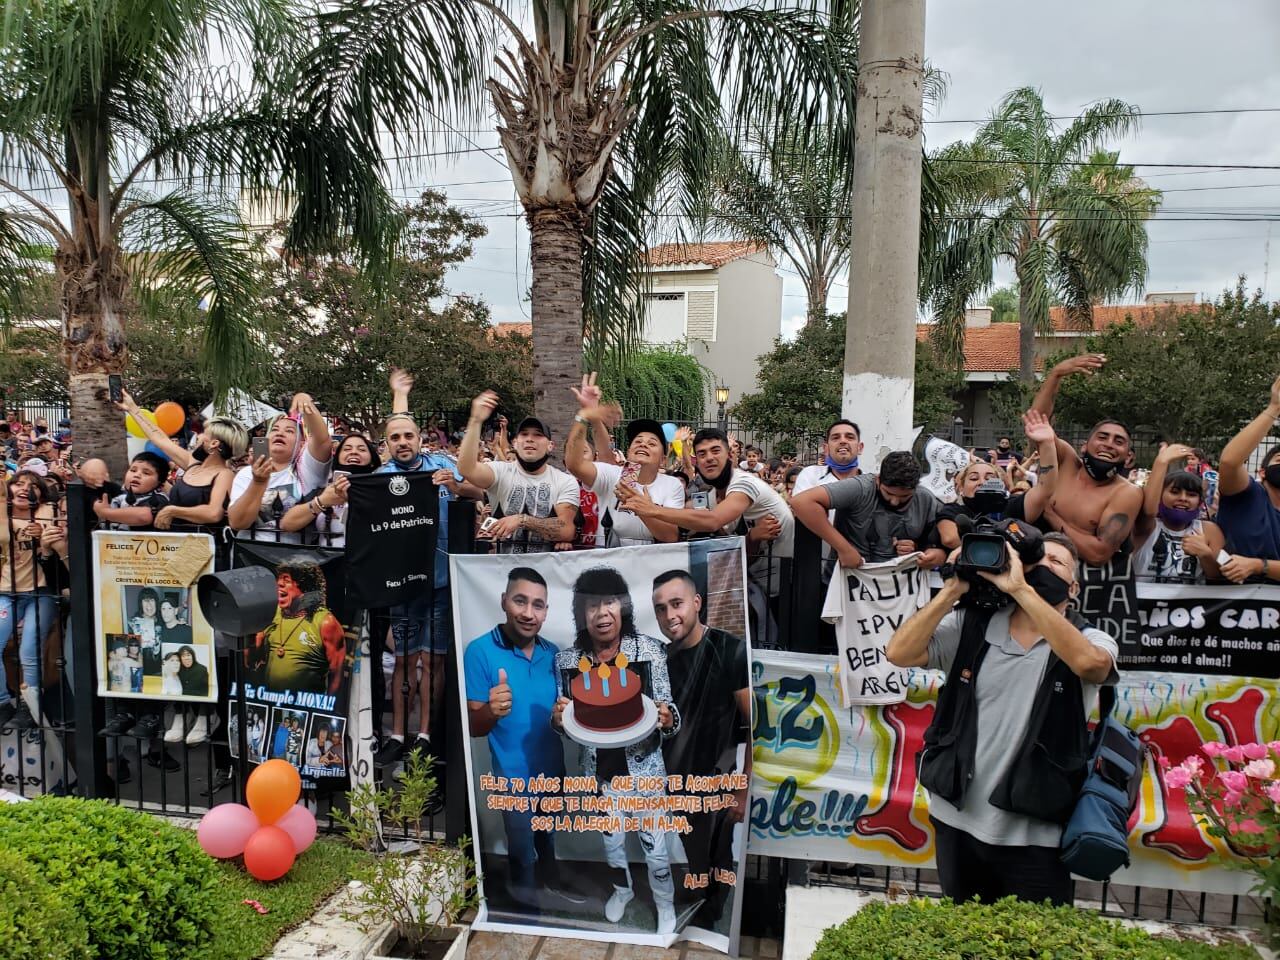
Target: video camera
point(982, 549)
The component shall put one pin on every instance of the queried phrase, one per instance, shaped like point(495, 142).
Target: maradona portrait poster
point(607, 694)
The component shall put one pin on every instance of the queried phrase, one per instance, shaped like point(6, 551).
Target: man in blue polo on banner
point(512, 687)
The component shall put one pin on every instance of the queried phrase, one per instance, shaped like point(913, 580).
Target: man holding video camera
point(1007, 751)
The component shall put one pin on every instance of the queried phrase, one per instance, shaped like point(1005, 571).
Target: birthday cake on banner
point(606, 698)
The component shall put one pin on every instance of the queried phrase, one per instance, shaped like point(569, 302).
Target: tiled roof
point(992, 349)
point(524, 328)
point(712, 254)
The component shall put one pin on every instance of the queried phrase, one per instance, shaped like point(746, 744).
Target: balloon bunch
point(168, 416)
point(270, 832)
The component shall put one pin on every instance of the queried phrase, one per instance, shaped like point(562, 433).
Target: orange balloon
point(272, 789)
point(269, 854)
point(170, 417)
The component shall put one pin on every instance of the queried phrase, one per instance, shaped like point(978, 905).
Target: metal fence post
point(457, 814)
point(90, 749)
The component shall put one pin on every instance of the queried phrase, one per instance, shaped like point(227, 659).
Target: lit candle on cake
point(585, 666)
point(621, 661)
point(604, 679)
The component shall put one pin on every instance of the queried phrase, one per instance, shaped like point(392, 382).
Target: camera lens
point(984, 553)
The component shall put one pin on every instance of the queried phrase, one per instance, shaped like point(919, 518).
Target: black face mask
point(989, 503)
point(200, 454)
point(1099, 469)
point(358, 469)
point(1272, 475)
point(532, 466)
point(720, 482)
point(1051, 587)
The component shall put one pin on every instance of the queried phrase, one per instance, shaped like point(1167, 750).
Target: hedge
point(142, 887)
point(1007, 930)
point(35, 924)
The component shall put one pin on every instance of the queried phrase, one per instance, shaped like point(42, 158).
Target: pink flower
point(1274, 746)
point(1213, 748)
point(1254, 751)
point(1194, 766)
point(1234, 781)
point(1233, 754)
point(1260, 769)
point(1163, 762)
point(1249, 826)
point(1232, 798)
point(1178, 778)
point(1273, 791)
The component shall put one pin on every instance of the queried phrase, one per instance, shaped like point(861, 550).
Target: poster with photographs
point(607, 694)
point(152, 640)
point(297, 672)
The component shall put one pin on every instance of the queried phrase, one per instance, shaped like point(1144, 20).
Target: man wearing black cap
point(646, 450)
point(537, 501)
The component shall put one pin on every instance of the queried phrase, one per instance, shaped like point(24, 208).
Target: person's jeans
point(969, 868)
point(654, 845)
point(38, 613)
point(531, 856)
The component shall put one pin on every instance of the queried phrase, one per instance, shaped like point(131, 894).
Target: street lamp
point(722, 397)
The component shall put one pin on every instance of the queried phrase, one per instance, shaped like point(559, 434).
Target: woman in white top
point(1171, 542)
point(646, 453)
point(265, 490)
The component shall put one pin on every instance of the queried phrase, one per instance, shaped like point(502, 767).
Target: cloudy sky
point(1173, 55)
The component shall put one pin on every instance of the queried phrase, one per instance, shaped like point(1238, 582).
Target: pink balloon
point(225, 829)
point(300, 824)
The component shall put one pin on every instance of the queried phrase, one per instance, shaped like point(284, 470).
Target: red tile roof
point(992, 349)
point(712, 254)
point(523, 327)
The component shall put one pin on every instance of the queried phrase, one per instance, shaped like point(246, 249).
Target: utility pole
point(880, 341)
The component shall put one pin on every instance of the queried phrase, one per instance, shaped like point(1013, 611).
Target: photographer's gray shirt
point(1007, 683)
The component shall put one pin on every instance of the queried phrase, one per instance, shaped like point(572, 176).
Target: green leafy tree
point(801, 384)
point(663, 383)
point(114, 105)
point(1065, 213)
point(1194, 375)
point(1004, 305)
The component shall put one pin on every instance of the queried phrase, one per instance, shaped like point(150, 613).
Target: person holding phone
point(265, 490)
point(646, 452)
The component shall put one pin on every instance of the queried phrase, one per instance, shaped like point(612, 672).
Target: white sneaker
point(177, 729)
point(199, 732)
point(666, 918)
point(617, 904)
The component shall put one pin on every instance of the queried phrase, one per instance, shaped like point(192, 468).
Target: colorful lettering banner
point(840, 784)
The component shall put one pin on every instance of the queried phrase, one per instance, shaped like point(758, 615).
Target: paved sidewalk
point(513, 946)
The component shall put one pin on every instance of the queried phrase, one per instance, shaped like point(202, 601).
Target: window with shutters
point(701, 321)
point(665, 318)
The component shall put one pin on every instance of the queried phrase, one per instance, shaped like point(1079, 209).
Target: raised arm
point(319, 442)
point(1152, 492)
point(578, 457)
point(469, 465)
point(174, 451)
point(1233, 474)
point(909, 645)
point(1040, 432)
point(1086, 364)
point(401, 382)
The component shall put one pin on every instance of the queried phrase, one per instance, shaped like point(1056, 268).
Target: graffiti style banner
point(607, 694)
point(840, 784)
point(297, 672)
point(152, 641)
point(1224, 631)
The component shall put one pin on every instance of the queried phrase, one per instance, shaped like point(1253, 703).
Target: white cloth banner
point(865, 606)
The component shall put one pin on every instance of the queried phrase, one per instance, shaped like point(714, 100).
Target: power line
point(1138, 113)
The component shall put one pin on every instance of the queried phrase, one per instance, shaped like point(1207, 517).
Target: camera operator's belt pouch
point(1049, 765)
point(1095, 841)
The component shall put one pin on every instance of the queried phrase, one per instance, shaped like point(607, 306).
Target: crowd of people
point(625, 484)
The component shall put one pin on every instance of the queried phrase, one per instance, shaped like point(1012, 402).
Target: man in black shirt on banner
point(710, 680)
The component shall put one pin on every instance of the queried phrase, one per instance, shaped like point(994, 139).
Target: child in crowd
point(135, 508)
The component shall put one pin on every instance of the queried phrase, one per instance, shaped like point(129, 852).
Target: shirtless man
point(1093, 504)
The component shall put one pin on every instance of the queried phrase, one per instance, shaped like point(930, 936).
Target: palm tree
point(112, 109)
point(609, 113)
point(1069, 217)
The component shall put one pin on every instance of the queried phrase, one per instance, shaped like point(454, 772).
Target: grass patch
point(325, 867)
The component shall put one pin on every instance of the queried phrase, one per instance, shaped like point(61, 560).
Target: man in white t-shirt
point(841, 449)
point(646, 451)
point(538, 502)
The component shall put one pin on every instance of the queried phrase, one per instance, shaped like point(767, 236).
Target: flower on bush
point(1254, 751)
point(1260, 769)
point(1233, 754)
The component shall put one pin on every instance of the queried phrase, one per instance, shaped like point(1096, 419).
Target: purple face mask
point(1177, 518)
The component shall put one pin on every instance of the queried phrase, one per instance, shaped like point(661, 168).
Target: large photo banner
point(151, 640)
point(839, 784)
point(607, 694)
point(297, 672)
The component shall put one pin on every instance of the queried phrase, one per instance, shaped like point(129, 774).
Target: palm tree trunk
point(93, 347)
point(816, 291)
point(1027, 326)
point(555, 246)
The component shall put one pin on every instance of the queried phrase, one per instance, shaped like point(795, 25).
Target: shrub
point(1008, 930)
point(34, 923)
point(143, 887)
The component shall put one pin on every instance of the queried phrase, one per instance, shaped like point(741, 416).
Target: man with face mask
point(1093, 504)
point(877, 517)
point(1249, 509)
point(537, 500)
point(1007, 751)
